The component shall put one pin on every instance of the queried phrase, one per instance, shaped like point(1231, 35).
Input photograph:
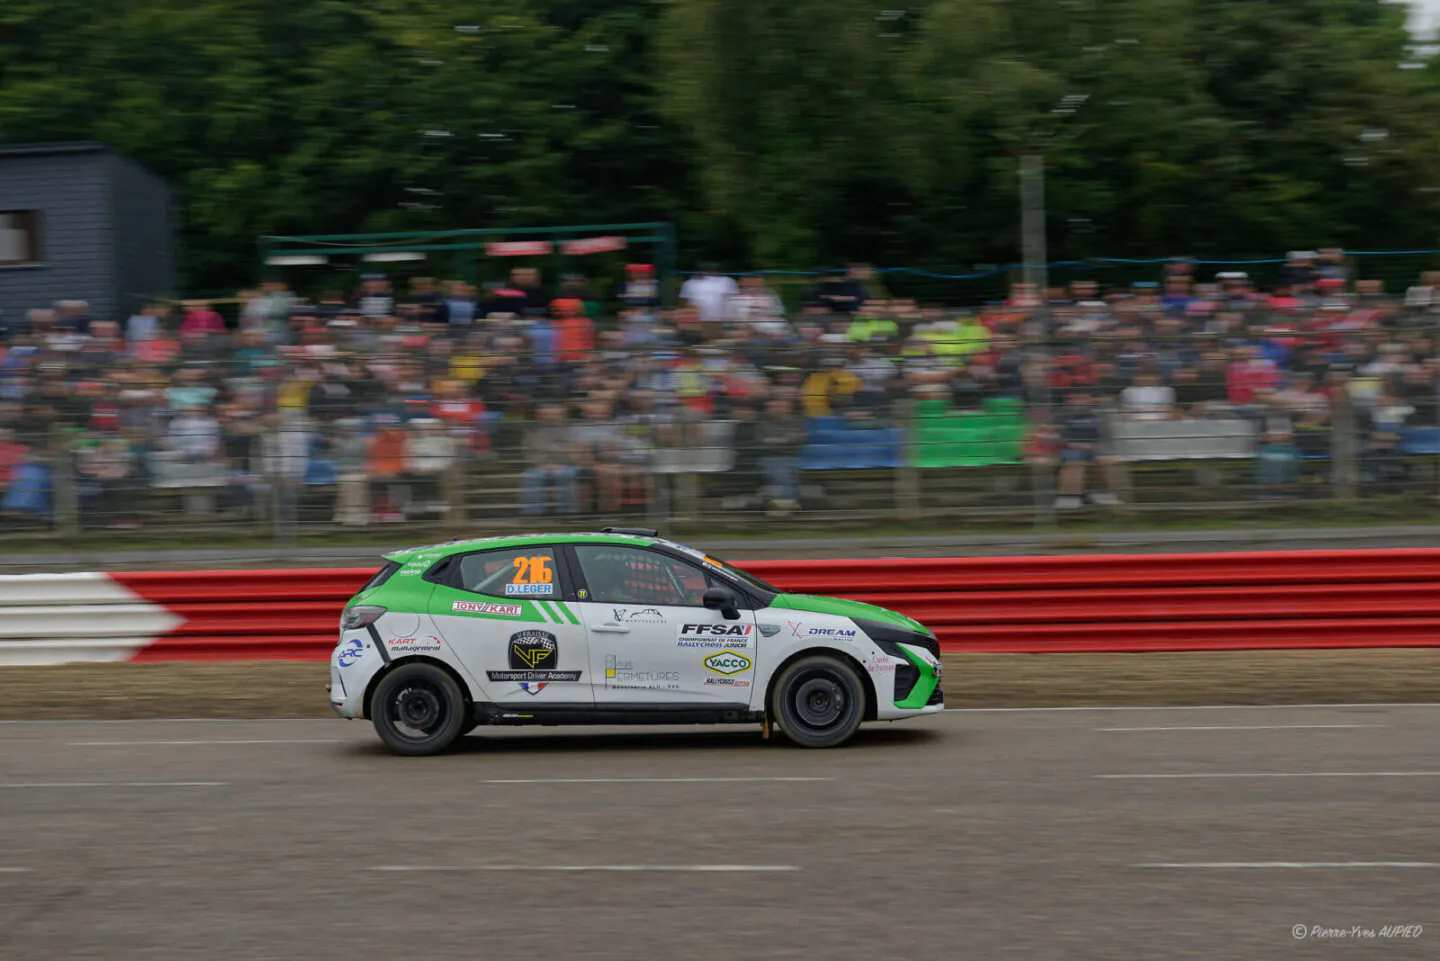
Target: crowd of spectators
point(378, 393)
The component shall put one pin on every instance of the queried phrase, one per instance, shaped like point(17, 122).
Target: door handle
point(610, 629)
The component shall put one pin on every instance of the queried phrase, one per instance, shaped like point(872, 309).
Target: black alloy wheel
point(418, 709)
point(819, 701)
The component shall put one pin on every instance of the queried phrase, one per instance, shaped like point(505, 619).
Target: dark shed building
point(78, 222)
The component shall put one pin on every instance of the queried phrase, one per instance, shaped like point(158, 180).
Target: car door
point(652, 641)
point(508, 616)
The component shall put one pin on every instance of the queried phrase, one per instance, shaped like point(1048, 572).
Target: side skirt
point(616, 714)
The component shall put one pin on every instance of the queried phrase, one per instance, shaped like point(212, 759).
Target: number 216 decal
point(533, 575)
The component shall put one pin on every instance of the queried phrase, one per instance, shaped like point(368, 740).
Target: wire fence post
point(1344, 453)
point(66, 487)
point(907, 475)
point(1032, 230)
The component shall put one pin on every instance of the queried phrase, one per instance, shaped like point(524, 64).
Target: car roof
point(446, 548)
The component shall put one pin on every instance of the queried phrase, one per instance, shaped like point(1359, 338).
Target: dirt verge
point(255, 689)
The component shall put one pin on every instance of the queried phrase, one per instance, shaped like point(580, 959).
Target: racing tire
point(819, 701)
point(418, 710)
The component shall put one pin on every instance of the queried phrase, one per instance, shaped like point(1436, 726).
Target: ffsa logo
point(715, 630)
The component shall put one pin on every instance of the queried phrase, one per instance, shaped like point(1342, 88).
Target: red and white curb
point(76, 618)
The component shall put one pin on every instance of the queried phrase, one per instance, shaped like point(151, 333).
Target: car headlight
point(361, 615)
point(888, 638)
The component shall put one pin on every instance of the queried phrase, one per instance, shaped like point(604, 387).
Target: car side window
point(515, 572)
point(628, 575)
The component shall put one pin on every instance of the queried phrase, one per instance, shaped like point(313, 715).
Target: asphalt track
point(1119, 833)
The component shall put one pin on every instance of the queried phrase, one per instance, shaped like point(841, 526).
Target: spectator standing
point(549, 457)
point(1081, 445)
point(430, 305)
point(376, 296)
point(200, 316)
point(778, 436)
point(144, 325)
point(758, 307)
point(428, 455)
point(352, 499)
point(640, 290)
point(709, 292)
point(460, 305)
point(1148, 399)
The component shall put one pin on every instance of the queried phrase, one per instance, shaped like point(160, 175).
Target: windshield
point(732, 570)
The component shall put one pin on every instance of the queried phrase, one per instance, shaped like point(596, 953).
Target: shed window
point(19, 237)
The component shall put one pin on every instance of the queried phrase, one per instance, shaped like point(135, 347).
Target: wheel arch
point(872, 700)
point(384, 672)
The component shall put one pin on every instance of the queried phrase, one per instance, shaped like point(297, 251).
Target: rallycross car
point(619, 627)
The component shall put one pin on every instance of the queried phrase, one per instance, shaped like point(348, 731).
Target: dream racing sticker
point(798, 629)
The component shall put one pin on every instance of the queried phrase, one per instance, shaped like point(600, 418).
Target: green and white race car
point(616, 627)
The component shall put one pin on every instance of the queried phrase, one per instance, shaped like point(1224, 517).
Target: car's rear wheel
point(418, 710)
point(819, 701)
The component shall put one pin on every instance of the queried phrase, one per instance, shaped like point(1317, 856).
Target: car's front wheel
point(418, 710)
point(819, 701)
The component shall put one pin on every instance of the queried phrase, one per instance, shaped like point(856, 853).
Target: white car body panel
point(630, 654)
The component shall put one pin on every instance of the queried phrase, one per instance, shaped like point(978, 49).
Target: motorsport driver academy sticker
point(714, 636)
point(533, 656)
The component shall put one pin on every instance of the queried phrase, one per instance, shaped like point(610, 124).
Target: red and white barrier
point(63, 618)
point(1070, 603)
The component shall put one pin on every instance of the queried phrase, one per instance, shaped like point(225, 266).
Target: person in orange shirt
point(385, 463)
point(574, 332)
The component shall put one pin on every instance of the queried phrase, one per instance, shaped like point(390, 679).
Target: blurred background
point(285, 271)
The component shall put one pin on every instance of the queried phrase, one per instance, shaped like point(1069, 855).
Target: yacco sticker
point(413, 645)
point(479, 607)
point(727, 662)
point(514, 590)
point(351, 652)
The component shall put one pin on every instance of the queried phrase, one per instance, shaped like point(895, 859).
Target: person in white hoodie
point(428, 456)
